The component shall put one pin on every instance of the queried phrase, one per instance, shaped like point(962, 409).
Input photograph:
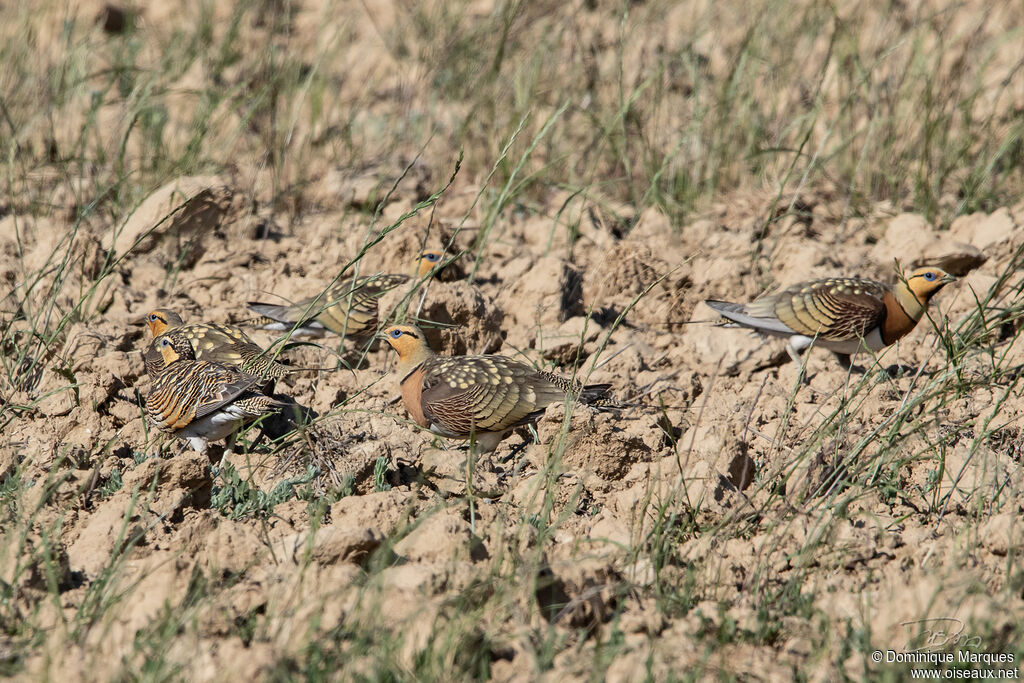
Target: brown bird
point(203, 401)
point(346, 308)
point(478, 396)
point(844, 315)
point(215, 342)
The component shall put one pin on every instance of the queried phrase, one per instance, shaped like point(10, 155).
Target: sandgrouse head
point(924, 283)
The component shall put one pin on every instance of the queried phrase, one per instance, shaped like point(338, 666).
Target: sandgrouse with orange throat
point(481, 397)
point(214, 342)
point(348, 307)
point(843, 315)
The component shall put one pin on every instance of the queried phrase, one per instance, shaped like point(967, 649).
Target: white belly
point(872, 342)
point(217, 425)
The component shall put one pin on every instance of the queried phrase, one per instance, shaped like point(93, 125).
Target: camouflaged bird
point(202, 401)
point(346, 308)
point(844, 315)
point(213, 342)
point(483, 397)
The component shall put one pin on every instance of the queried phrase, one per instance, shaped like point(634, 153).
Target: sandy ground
point(712, 435)
point(720, 484)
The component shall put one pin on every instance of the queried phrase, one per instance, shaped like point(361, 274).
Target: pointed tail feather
point(271, 313)
point(597, 396)
point(739, 316)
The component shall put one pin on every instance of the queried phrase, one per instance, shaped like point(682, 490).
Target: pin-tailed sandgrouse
point(347, 308)
point(844, 315)
point(214, 342)
point(483, 397)
point(202, 401)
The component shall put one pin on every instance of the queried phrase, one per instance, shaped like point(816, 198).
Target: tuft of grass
point(236, 498)
point(632, 108)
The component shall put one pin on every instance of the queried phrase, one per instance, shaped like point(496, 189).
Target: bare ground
point(733, 522)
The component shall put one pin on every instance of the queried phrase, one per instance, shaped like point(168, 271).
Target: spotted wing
point(464, 394)
point(188, 390)
point(351, 307)
point(230, 345)
point(834, 309)
point(218, 343)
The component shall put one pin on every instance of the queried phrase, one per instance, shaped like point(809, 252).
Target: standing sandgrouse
point(844, 315)
point(483, 396)
point(213, 342)
point(345, 308)
point(202, 401)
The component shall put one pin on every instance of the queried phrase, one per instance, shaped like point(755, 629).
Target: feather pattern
point(217, 343)
point(201, 399)
point(465, 394)
point(844, 315)
point(347, 307)
point(832, 309)
point(483, 396)
point(187, 390)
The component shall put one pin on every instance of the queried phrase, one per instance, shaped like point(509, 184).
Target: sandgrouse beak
point(947, 278)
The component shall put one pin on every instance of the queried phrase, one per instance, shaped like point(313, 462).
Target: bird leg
point(487, 442)
point(800, 362)
point(794, 354)
point(229, 445)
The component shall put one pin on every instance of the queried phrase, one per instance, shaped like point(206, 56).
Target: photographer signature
point(939, 633)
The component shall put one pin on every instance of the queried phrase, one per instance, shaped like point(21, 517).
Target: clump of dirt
point(729, 516)
point(705, 447)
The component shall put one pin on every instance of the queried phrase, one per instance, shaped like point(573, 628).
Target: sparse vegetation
point(595, 170)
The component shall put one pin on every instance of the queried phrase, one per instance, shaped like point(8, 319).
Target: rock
point(57, 402)
point(116, 519)
point(219, 544)
point(467, 321)
point(956, 258)
point(625, 271)
point(182, 481)
point(577, 590)
point(548, 294)
point(446, 469)
point(1001, 533)
point(332, 544)
point(382, 511)
point(441, 537)
point(594, 442)
point(907, 239)
point(915, 243)
point(178, 216)
point(983, 230)
point(565, 344)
